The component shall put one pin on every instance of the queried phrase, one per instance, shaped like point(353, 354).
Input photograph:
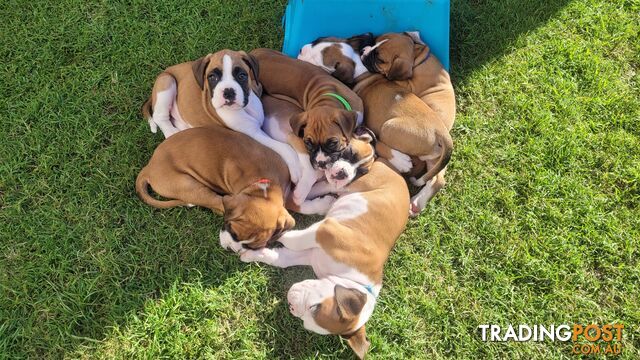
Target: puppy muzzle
point(295, 298)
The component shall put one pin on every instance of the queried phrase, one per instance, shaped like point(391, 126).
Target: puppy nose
point(341, 175)
point(322, 164)
point(229, 94)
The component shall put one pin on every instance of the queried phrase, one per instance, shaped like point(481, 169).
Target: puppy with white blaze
point(218, 89)
point(347, 249)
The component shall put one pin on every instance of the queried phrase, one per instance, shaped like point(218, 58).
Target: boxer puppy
point(405, 58)
point(229, 173)
point(330, 112)
point(347, 250)
point(277, 116)
point(217, 89)
point(404, 124)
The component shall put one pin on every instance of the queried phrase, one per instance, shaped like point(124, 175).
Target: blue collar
point(370, 290)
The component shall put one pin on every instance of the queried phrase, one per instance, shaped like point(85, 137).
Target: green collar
point(344, 101)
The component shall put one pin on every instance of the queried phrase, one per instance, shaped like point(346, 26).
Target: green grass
point(539, 222)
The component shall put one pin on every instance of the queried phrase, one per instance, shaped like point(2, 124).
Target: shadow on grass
point(484, 30)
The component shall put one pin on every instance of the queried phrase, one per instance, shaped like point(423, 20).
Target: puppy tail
point(147, 113)
point(446, 143)
point(142, 189)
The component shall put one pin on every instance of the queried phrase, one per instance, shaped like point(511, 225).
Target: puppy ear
point(350, 301)
point(199, 67)
point(230, 204)
point(415, 36)
point(401, 69)
point(359, 343)
point(252, 63)
point(298, 123)
point(258, 189)
point(365, 134)
point(347, 123)
point(358, 42)
point(345, 71)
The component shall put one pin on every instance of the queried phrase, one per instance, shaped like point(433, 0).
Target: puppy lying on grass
point(231, 174)
point(348, 248)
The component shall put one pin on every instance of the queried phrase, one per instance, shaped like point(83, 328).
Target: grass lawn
point(539, 222)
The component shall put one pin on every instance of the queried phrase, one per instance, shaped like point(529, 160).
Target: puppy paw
point(295, 173)
point(303, 187)
point(324, 203)
point(298, 197)
point(400, 161)
point(152, 125)
point(417, 182)
point(414, 210)
point(319, 206)
point(263, 255)
point(418, 203)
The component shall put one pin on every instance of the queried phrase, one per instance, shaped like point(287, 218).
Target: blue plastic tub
point(306, 20)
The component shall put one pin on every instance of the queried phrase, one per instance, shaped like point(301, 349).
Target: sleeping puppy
point(404, 124)
point(218, 89)
point(405, 58)
point(229, 173)
point(277, 124)
point(347, 250)
point(330, 112)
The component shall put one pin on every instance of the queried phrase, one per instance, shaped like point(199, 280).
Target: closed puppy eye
point(332, 144)
point(308, 143)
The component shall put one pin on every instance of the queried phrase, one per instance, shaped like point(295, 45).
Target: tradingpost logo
point(589, 339)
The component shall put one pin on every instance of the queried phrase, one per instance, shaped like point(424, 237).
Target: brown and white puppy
point(347, 250)
point(404, 124)
point(405, 58)
point(277, 116)
point(229, 173)
point(325, 126)
point(218, 89)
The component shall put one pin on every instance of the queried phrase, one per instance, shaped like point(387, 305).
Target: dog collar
point(263, 184)
point(344, 101)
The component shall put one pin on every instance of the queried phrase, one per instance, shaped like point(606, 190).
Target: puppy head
point(326, 132)
point(329, 308)
point(392, 55)
point(253, 217)
point(228, 77)
point(339, 57)
point(355, 161)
